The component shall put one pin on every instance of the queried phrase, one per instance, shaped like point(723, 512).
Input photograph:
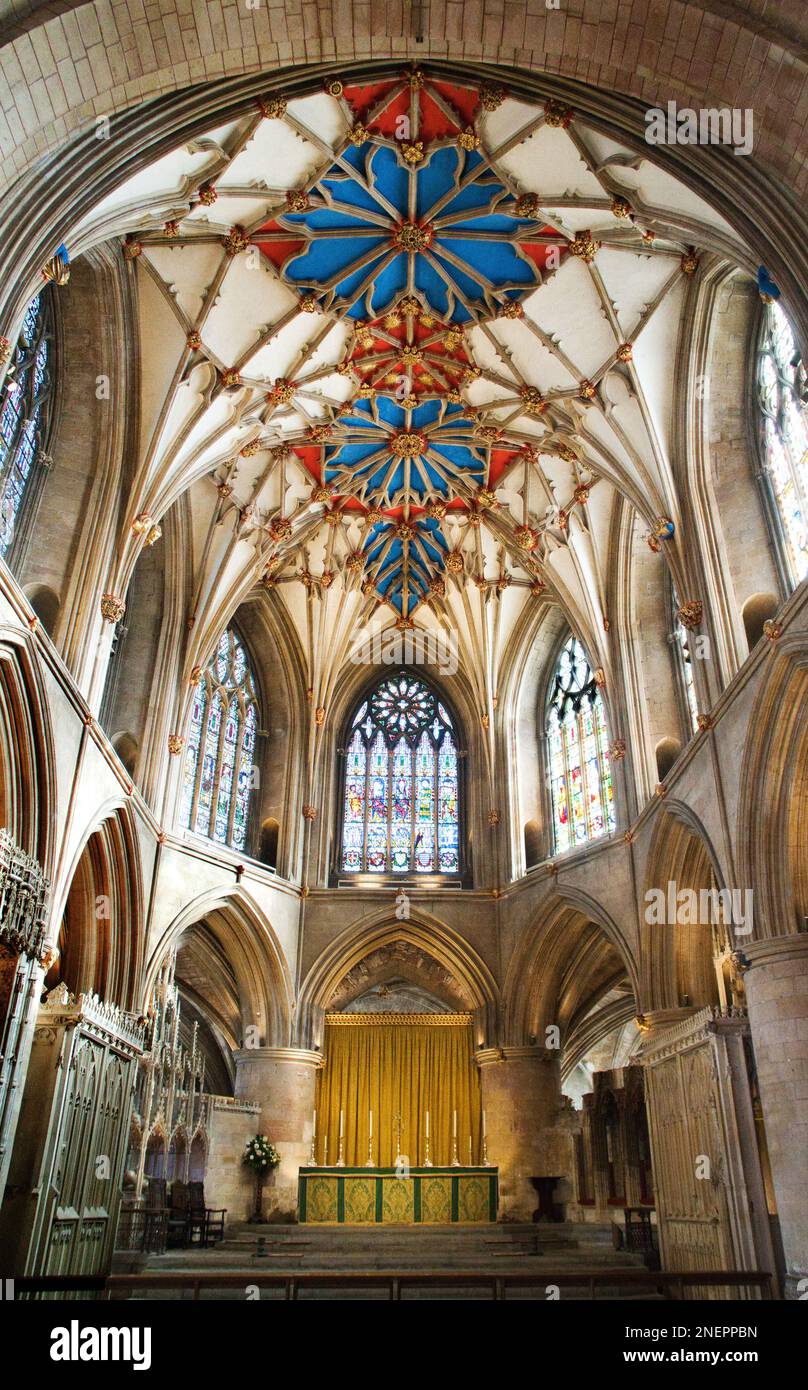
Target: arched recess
point(666, 753)
point(419, 949)
point(268, 848)
point(532, 843)
point(685, 943)
point(101, 936)
point(522, 697)
point(27, 767)
point(572, 960)
point(772, 827)
point(640, 605)
point(45, 602)
point(756, 612)
point(136, 655)
point(234, 933)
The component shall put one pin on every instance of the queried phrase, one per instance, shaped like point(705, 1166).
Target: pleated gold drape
point(398, 1068)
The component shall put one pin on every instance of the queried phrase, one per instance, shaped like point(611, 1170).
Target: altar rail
point(753, 1284)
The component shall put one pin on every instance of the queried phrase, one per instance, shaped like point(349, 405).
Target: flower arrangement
point(260, 1154)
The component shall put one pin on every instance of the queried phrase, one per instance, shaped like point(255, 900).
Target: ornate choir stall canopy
point(398, 1133)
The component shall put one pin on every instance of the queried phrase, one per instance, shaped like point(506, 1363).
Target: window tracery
point(578, 751)
point(400, 809)
point(220, 757)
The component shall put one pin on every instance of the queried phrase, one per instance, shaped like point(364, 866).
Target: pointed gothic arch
point(679, 956)
point(101, 941)
point(28, 789)
point(570, 939)
point(253, 951)
point(472, 977)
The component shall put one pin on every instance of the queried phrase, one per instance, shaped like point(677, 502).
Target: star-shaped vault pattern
point(422, 334)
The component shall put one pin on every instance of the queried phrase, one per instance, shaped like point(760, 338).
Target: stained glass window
point(578, 752)
point(401, 805)
point(220, 758)
point(24, 414)
point(684, 657)
point(781, 387)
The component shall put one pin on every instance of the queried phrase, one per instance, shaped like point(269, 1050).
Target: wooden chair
point(639, 1235)
point(179, 1214)
point(207, 1221)
point(155, 1215)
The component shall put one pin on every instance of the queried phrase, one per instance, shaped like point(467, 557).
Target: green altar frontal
point(378, 1196)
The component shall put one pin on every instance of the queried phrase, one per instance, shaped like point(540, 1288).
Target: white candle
point(454, 1124)
point(340, 1123)
point(325, 1152)
point(484, 1131)
point(427, 1124)
point(371, 1123)
point(314, 1125)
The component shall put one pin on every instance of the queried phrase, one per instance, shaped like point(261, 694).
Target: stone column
point(529, 1128)
point(777, 994)
point(281, 1080)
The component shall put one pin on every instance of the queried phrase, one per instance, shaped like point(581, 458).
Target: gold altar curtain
point(399, 1068)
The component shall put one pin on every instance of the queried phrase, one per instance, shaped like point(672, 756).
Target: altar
point(381, 1196)
point(396, 1107)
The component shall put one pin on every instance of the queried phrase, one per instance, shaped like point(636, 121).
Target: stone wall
point(227, 1182)
point(777, 989)
point(78, 428)
point(733, 457)
point(63, 69)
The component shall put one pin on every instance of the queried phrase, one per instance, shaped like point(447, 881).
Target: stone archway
point(101, 934)
point(687, 916)
point(422, 948)
point(237, 932)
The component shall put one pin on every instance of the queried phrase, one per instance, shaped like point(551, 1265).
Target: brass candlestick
point(455, 1159)
point(340, 1158)
point(370, 1163)
point(427, 1159)
point(399, 1156)
point(313, 1150)
point(486, 1164)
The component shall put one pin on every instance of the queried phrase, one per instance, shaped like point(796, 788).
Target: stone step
point(507, 1248)
point(304, 1234)
point(392, 1253)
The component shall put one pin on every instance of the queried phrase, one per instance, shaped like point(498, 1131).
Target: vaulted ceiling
point(403, 346)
